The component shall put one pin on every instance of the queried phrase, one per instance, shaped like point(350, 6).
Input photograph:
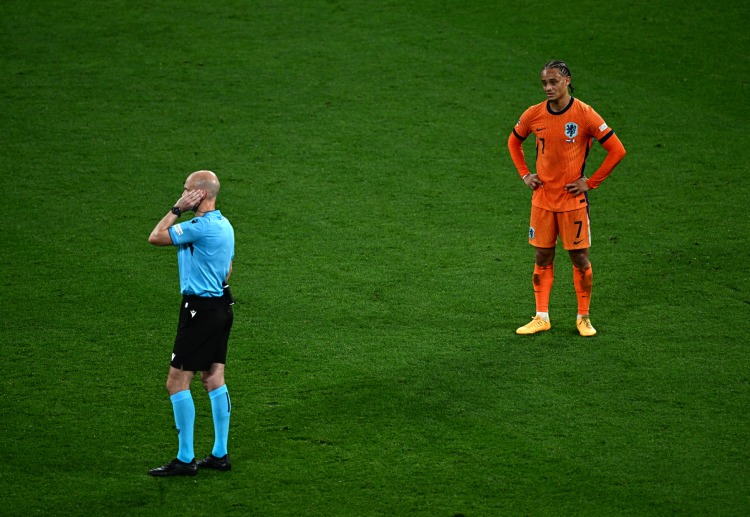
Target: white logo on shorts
point(193, 313)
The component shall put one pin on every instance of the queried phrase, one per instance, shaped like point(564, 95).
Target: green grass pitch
point(382, 264)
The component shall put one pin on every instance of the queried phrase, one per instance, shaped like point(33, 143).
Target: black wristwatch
point(176, 211)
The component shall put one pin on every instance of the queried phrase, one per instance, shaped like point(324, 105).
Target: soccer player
point(205, 250)
point(564, 128)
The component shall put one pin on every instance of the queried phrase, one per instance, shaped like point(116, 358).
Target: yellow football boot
point(534, 326)
point(585, 328)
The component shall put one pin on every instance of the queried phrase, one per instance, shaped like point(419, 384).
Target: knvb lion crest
point(571, 129)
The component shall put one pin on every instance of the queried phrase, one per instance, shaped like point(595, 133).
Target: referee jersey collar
point(212, 214)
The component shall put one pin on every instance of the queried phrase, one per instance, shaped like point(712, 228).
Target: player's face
point(555, 84)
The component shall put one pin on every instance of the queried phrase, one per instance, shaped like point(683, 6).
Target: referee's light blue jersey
point(205, 249)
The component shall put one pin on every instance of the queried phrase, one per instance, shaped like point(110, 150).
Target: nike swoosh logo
point(575, 243)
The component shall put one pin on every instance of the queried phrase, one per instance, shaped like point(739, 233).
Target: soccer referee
point(205, 250)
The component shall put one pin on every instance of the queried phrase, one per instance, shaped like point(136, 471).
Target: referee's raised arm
point(160, 234)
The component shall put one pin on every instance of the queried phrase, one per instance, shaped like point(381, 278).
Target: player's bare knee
point(544, 256)
point(580, 259)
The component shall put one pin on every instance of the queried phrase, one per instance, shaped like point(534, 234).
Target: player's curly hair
point(562, 67)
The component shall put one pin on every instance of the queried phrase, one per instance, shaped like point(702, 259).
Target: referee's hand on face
point(190, 200)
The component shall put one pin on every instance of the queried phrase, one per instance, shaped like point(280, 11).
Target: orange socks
point(543, 278)
point(582, 281)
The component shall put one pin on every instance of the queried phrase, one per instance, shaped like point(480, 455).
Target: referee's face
point(190, 187)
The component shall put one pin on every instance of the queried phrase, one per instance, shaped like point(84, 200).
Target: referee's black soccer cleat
point(175, 468)
point(212, 462)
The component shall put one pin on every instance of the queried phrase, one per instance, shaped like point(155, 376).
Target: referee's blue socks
point(184, 419)
point(221, 407)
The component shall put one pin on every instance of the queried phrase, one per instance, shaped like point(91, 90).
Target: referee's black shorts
point(202, 333)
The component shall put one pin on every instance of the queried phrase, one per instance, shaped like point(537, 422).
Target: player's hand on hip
point(532, 181)
point(579, 186)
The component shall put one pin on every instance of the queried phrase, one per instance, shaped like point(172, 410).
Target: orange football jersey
point(563, 140)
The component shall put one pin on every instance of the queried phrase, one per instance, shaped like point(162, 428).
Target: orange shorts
point(572, 227)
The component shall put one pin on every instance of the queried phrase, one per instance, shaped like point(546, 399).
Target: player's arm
point(615, 153)
point(515, 147)
point(160, 234)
